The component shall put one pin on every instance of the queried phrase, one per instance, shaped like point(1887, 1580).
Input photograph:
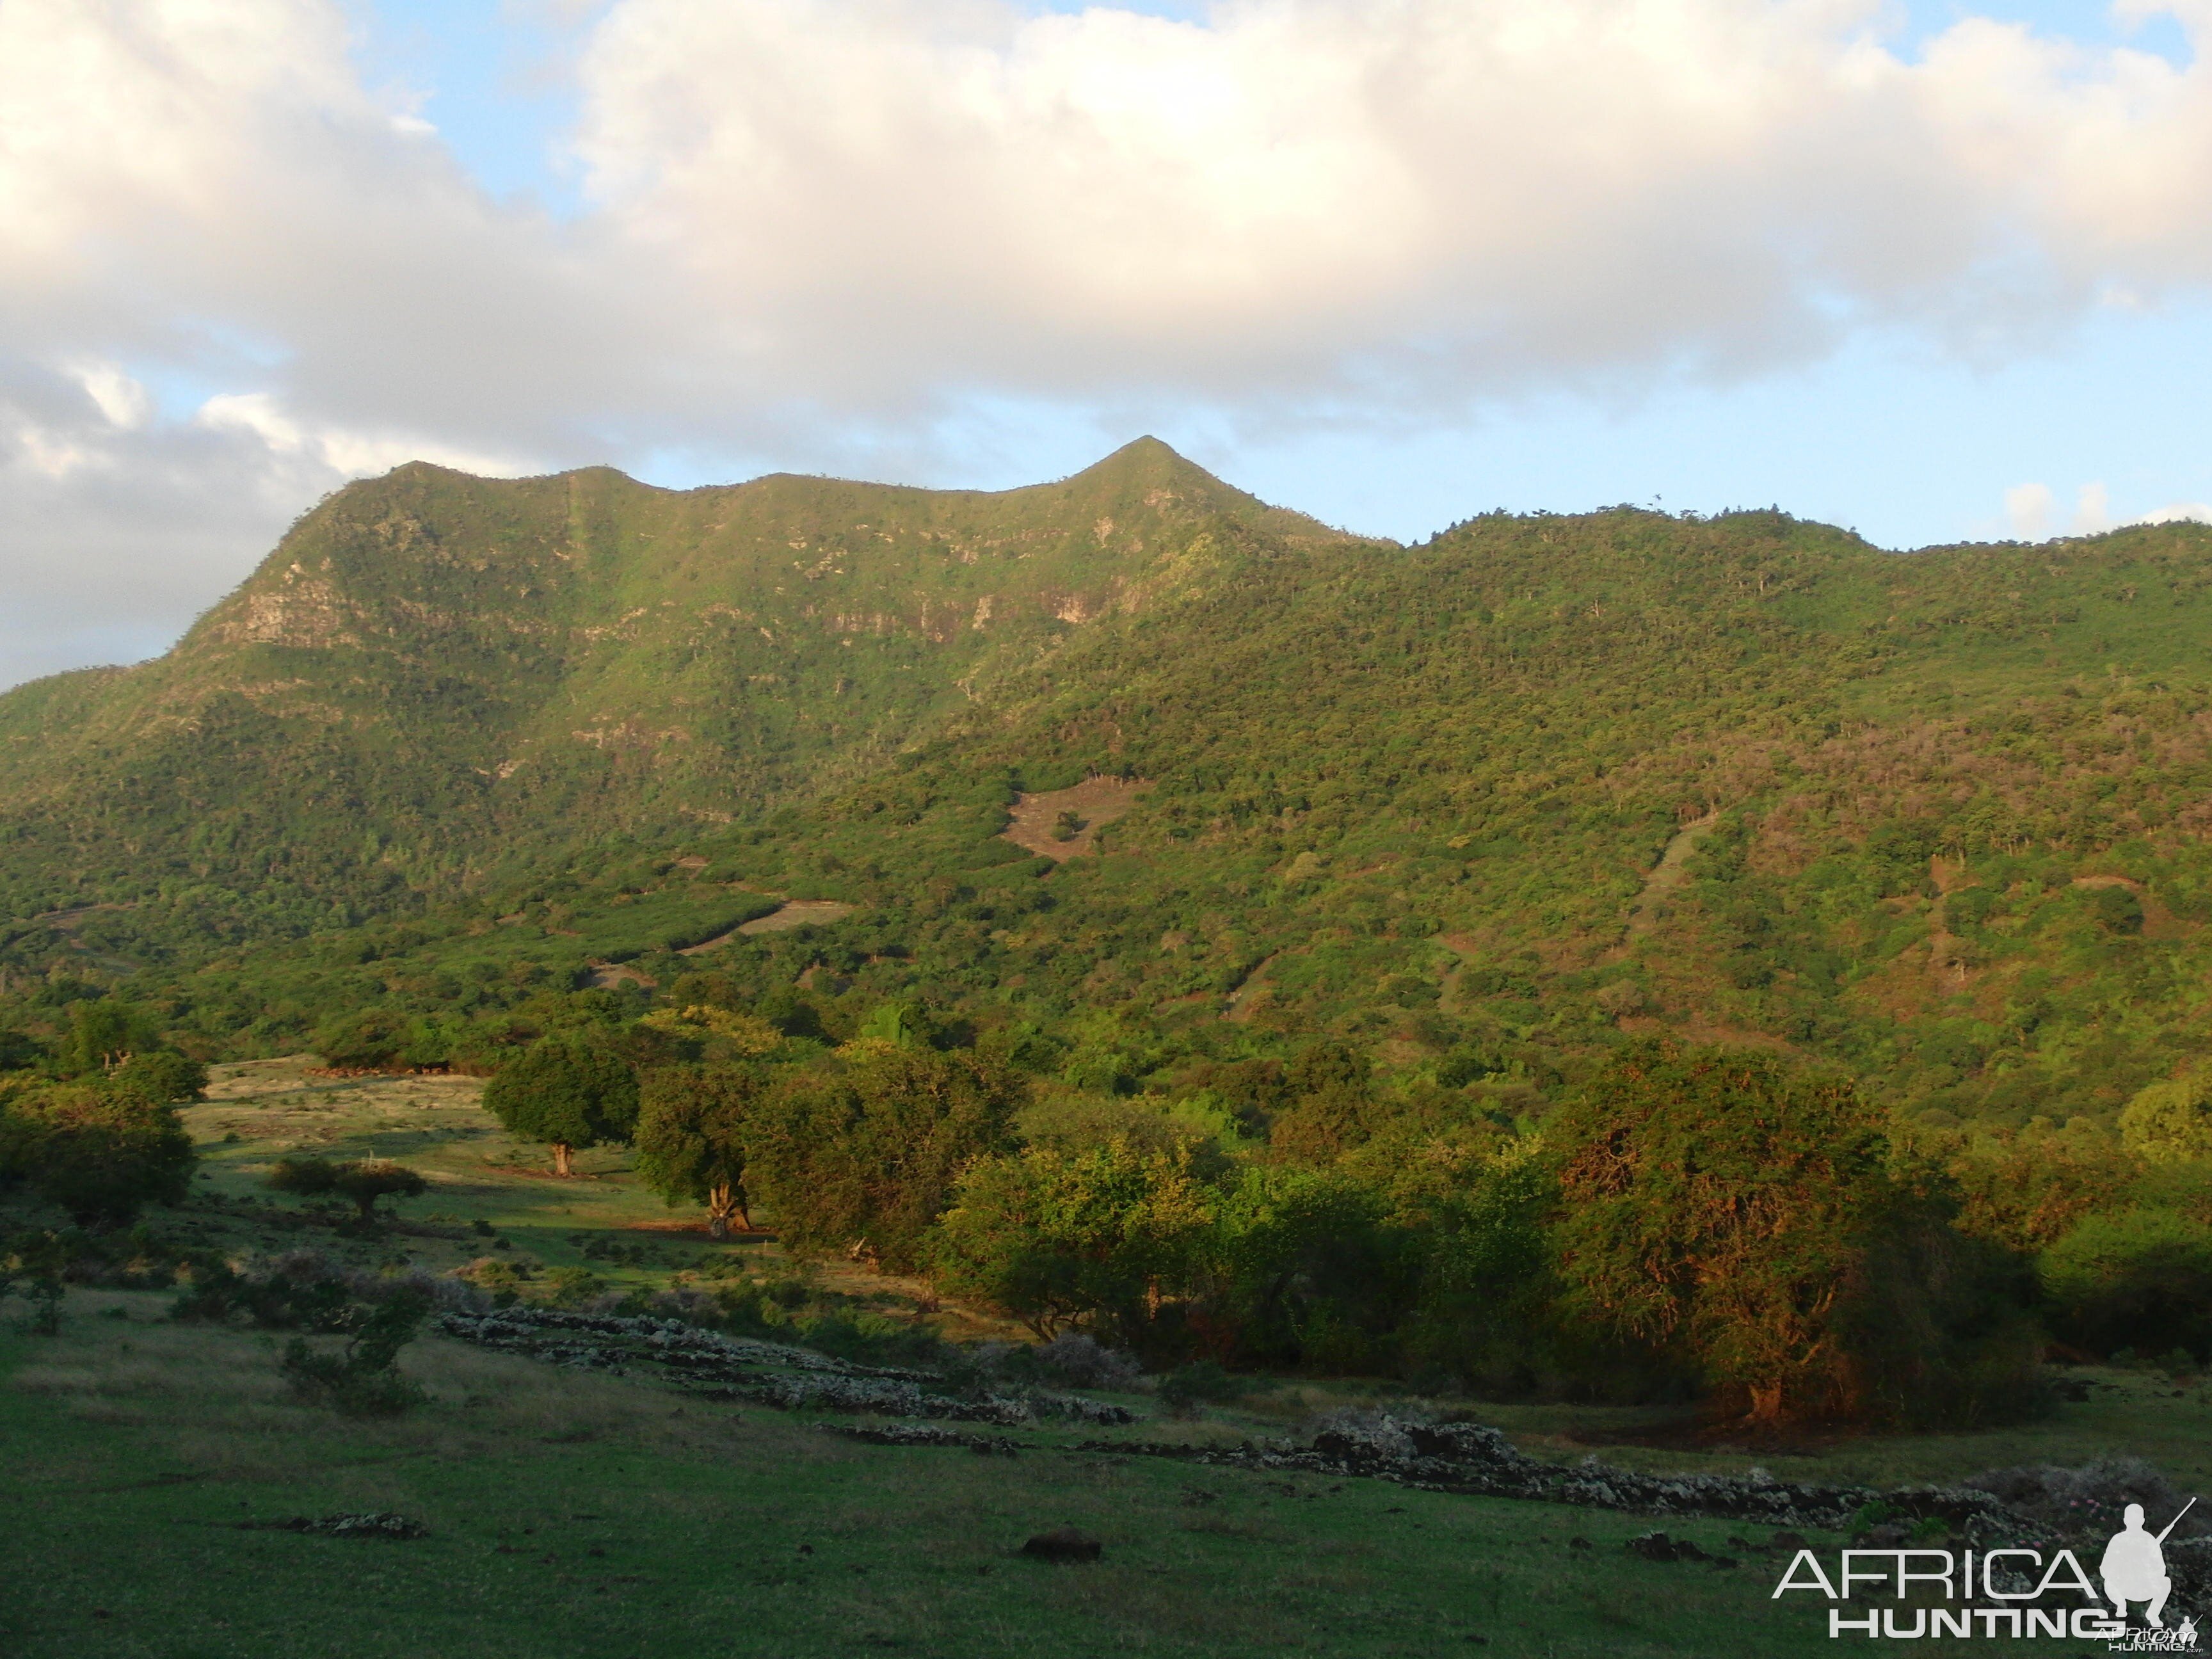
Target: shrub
point(568, 1091)
point(32, 1266)
point(1059, 1239)
point(693, 1125)
point(362, 1181)
point(163, 1075)
point(2171, 1121)
point(100, 1151)
point(2139, 1278)
point(868, 1158)
point(363, 1379)
point(1189, 1390)
point(371, 1040)
point(1080, 1362)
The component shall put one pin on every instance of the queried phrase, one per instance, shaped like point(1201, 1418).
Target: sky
point(1934, 272)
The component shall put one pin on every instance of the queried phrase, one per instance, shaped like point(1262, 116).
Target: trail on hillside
point(1668, 876)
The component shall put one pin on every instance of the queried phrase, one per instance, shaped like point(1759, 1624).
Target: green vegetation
point(1617, 962)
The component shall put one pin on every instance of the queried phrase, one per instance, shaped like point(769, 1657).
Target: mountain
point(1480, 805)
point(435, 676)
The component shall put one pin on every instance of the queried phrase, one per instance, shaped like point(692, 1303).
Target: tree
point(567, 1091)
point(868, 1158)
point(1717, 1202)
point(163, 1075)
point(2170, 1120)
point(703, 1025)
point(100, 1152)
point(1335, 1107)
point(693, 1126)
point(370, 1040)
point(103, 1033)
point(2138, 1278)
point(1061, 1238)
point(362, 1181)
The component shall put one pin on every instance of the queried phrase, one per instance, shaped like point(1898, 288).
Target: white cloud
point(2028, 509)
point(829, 230)
point(345, 453)
point(116, 395)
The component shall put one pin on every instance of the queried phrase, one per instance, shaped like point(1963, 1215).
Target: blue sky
point(1938, 272)
point(1909, 447)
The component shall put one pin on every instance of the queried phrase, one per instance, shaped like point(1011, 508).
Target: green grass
point(595, 1516)
point(135, 1451)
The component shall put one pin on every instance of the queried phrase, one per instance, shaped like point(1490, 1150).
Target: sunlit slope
point(1951, 805)
point(434, 672)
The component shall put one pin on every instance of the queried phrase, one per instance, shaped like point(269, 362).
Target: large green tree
point(98, 1150)
point(1062, 1238)
point(694, 1125)
point(866, 1157)
point(1717, 1202)
point(569, 1092)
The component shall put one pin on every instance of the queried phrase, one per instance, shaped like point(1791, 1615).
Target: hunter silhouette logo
point(2009, 1592)
point(2134, 1567)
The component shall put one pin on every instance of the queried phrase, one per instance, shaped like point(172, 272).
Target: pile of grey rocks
point(774, 1374)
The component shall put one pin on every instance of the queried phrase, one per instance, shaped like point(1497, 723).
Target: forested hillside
point(1939, 816)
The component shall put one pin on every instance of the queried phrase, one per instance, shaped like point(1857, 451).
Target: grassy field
point(144, 1464)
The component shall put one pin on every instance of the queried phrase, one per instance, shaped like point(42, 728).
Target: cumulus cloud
point(826, 231)
point(2030, 511)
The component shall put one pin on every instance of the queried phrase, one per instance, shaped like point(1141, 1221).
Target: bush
point(568, 1091)
point(1079, 1362)
point(372, 1040)
point(163, 1075)
point(2141, 1277)
point(360, 1181)
point(363, 1379)
point(2170, 1121)
point(867, 1159)
point(98, 1150)
point(1189, 1390)
point(1059, 1238)
point(32, 1264)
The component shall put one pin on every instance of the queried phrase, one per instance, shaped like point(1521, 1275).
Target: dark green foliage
point(1186, 1390)
point(99, 1150)
point(695, 1125)
point(374, 1039)
point(103, 1034)
point(32, 1266)
point(162, 1075)
point(362, 1379)
point(1726, 1208)
point(360, 1181)
point(308, 1292)
point(568, 1090)
point(866, 1158)
point(2138, 1278)
point(1096, 1238)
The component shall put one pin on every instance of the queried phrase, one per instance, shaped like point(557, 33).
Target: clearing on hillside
point(1060, 824)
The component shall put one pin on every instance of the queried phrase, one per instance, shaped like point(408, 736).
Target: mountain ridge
point(1425, 785)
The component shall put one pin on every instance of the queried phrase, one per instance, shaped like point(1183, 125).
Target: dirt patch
point(1670, 873)
point(796, 912)
point(606, 975)
point(1244, 1001)
point(1064, 824)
